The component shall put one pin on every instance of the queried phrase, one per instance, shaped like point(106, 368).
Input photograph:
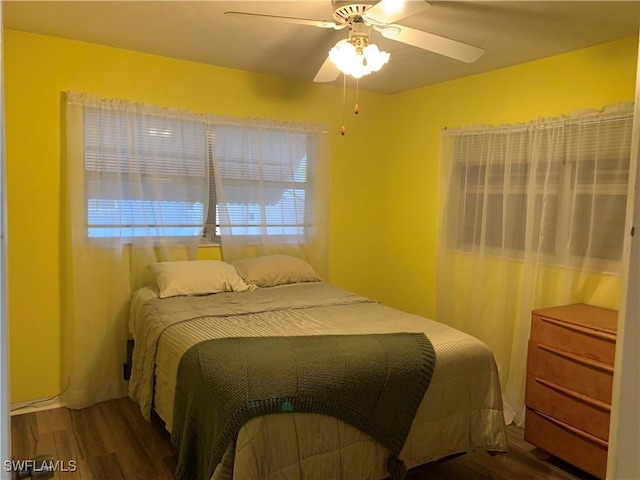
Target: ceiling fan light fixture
point(359, 60)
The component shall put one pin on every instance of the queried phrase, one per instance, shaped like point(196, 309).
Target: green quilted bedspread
point(374, 382)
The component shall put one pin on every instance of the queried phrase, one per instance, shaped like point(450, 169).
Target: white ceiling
point(511, 33)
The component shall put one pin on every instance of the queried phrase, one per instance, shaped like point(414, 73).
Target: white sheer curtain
point(136, 193)
point(271, 190)
point(532, 215)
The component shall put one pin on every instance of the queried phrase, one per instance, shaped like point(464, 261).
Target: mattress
point(461, 411)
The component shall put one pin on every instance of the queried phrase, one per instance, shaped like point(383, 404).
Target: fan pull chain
point(356, 109)
point(344, 101)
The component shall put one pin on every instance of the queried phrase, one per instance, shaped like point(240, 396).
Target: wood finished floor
point(111, 441)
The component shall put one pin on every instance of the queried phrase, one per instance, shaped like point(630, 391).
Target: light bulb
point(375, 58)
point(346, 57)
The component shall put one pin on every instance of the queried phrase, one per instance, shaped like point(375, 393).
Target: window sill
point(592, 265)
point(209, 244)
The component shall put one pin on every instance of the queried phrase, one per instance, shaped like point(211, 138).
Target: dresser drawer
point(583, 375)
point(579, 339)
point(580, 411)
point(585, 451)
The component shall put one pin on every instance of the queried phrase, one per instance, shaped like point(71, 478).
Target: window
point(265, 178)
point(143, 176)
point(557, 189)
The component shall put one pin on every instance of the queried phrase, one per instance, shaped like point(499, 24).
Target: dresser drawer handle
point(578, 396)
point(578, 328)
point(577, 358)
point(580, 433)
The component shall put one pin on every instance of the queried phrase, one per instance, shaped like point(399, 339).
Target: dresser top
point(598, 318)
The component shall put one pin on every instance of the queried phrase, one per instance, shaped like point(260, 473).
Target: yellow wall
point(589, 78)
point(384, 173)
point(38, 68)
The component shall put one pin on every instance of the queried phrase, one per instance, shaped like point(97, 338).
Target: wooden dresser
point(569, 382)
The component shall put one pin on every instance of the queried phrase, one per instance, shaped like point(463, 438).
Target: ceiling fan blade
point(389, 11)
point(328, 72)
point(299, 21)
point(433, 43)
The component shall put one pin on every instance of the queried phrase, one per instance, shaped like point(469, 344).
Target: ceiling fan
point(360, 18)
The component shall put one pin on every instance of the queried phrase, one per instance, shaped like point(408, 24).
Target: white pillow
point(272, 270)
point(197, 277)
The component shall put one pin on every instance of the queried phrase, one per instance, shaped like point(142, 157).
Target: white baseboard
point(19, 408)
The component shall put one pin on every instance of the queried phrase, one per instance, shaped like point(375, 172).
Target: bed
point(460, 412)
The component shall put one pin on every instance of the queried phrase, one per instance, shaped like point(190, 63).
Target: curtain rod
point(95, 101)
point(521, 127)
